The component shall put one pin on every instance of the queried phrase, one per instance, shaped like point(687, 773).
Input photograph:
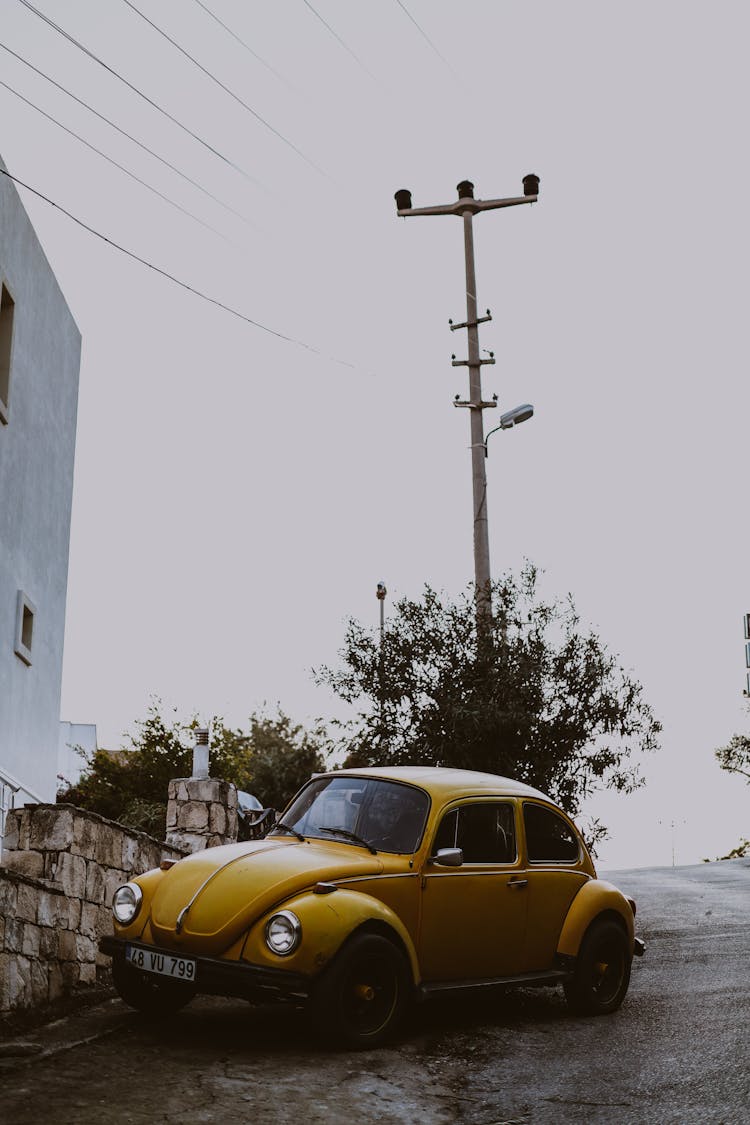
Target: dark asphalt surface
point(677, 1052)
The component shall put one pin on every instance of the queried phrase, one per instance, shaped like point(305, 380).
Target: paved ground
point(677, 1052)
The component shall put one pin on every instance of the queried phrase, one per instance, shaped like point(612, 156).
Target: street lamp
point(465, 207)
point(510, 419)
point(380, 594)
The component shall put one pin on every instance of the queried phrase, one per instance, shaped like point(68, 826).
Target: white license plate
point(166, 964)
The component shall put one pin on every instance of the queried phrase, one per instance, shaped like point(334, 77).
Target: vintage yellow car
point(377, 887)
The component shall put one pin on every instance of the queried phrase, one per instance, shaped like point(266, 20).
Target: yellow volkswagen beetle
point(377, 887)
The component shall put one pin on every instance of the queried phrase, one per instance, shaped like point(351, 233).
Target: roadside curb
point(75, 1030)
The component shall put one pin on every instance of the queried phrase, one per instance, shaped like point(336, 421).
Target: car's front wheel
point(147, 992)
point(361, 997)
point(602, 972)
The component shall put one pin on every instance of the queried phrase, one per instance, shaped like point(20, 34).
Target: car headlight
point(283, 933)
point(126, 902)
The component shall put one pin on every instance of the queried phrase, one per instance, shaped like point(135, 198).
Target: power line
point(242, 43)
point(122, 168)
point(338, 38)
point(129, 136)
point(427, 39)
point(146, 98)
point(170, 277)
point(219, 83)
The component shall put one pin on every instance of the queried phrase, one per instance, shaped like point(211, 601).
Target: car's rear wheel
point(602, 972)
point(149, 993)
point(360, 999)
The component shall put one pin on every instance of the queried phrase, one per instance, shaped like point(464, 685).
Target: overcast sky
point(238, 496)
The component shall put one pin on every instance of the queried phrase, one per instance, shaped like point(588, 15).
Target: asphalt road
point(677, 1052)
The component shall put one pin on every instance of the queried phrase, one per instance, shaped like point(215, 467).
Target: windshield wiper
point(279, 826)
point(350, 836)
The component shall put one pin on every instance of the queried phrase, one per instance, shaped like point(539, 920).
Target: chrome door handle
point(518, 883)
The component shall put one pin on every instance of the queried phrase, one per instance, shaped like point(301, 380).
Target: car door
point(473, 917)
point(555, 874)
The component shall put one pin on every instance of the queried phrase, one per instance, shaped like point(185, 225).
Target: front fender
point(595, 897)
point(327, 921)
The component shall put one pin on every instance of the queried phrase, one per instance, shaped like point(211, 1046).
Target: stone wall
point(59, 869)
point(201, 813)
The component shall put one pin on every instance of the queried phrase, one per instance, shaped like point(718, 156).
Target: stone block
point(71, 874)
point(13, 935)
point(31, 940)
point(131, 849)
point(66, 945)
point(53, 909)
point(25, 863)
point(85, 833)
point(12, 831)
point(19, 983)
point(109, 843)
point(27, 904)
point(48, 943)
point(74, 913)
point(8, 896)
point(94, 890)
point(104, 922)
point(89, 919)
point(217, 819)
point(55, 982)
point(39, 982)
point(88, 973)
point(51, 828)
point(70, 972)
point(187, 841)
point(5, 963)
point(192, 816)
point(85, 948)
point(2, 931)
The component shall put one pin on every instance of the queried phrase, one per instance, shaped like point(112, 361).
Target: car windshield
point(384, 815)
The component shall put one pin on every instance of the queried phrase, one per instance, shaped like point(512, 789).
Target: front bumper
point(217, 977)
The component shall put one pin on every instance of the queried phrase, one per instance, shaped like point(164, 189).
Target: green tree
point(272, 760)
point(735, 756)
point(542, 700)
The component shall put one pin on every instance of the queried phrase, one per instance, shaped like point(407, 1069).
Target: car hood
point(206, 901)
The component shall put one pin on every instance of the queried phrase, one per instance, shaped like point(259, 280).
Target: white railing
point(9, 786)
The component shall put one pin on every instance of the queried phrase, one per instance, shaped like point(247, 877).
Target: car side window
point(484, 832)
point(548, 838)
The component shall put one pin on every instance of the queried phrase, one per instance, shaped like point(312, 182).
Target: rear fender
point(328, 921)
point(594, 899)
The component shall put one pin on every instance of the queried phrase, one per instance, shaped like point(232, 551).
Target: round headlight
point(283, 933)
point(126, 903)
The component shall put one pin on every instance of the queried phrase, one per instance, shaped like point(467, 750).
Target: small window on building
point(25, 614)
point(6, 340)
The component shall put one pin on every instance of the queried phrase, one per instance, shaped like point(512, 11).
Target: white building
point(39, 361)
point(74, 738)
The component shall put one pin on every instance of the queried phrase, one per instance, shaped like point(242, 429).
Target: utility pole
point(466, 207)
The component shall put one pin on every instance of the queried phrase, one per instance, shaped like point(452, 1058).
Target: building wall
point(37, 443)
point(75, 736)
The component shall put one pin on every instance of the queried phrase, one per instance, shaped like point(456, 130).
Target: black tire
point(602, 971)
point(360, 999)
point(148, 993)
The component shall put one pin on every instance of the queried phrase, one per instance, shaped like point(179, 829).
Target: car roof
point(445, 784)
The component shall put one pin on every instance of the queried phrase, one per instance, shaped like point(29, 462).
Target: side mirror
point(448, 857)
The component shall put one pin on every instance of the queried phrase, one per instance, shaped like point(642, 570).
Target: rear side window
point(548, 838)
point(485, 833)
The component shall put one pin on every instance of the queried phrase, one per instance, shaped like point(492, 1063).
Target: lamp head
point(531, 184)
point(515, 416)
point(403, 199)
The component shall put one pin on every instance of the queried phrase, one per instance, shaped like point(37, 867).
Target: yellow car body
point(459, 880)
